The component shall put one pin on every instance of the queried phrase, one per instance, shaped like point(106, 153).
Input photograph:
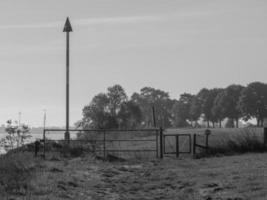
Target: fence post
point(190, 143)
point(161, 141)
point(177, 146)
point(265, 135)
point(194, 144)
point(207, 143)
point(207, 133)
point(36, 148)
point(154, 117)
point(44, 142)
point(157, 145)
point(104, 144)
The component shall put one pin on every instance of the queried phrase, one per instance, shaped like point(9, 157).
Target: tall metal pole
point(19, 118)
point(67, 84)
point(44, 122)
point(67, 29)
point(154, 117)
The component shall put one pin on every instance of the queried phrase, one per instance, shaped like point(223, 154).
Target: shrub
point(72, 150)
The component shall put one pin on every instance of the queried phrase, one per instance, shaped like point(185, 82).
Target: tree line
point(114, 109)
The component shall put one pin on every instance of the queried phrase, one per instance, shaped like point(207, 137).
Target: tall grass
point(243, 141)
point(15, 173)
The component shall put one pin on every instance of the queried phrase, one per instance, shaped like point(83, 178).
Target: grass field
point(78, 174)
point(239, 177)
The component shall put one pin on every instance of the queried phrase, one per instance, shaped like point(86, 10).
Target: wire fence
point(121, 143)
point(147, 143)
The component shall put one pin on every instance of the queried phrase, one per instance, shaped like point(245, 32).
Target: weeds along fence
point(134, 143)
point(214, 141)
point(229, 141)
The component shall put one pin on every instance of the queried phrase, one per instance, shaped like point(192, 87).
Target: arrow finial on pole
point(67, 26)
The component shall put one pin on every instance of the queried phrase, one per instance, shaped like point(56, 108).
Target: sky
point(174, 45)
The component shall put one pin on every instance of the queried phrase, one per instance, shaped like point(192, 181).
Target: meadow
point(238, 177)
point(76, 173)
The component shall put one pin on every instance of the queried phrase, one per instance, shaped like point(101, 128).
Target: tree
point(130, 115)
point(116, 96)
point(180, 113)
point(215, 115)
point(111, 111)
point(230, 123)
point(228, 102)
point(206, 99)
point(17, 135)
point(149, 97)
point(253, 102)
point(97, 113)
point(217, 109)
point(181, 110)
point(195, 109)
point(206, 104)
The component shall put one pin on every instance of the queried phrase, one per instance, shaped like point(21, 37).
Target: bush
point(72, 150)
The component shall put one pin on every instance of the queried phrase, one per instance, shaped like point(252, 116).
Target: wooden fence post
point(161, 142)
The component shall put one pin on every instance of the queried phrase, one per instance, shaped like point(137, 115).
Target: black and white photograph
point(133, 100)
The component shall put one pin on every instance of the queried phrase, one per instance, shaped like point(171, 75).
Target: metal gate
point(105, 141)
point(177, 144)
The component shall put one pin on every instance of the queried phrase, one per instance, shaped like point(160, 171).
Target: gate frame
point(177, 151)
point(205, 146)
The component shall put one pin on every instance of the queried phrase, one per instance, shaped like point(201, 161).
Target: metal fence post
point(265, 135)
point(104, 143)
point(194, 144)
point(161, 142)
point(207, 133)
point(177, 146)
point(36, 148)
point(44, 142)
point(190, 144)
point(157, 145)
point(154, 117)
point(207, 143)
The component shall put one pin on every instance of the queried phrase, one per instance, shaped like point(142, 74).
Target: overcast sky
point(174, 45)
